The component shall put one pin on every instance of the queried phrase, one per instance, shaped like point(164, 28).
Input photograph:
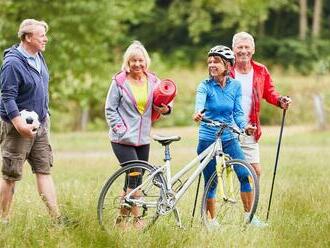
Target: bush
point(303, 56)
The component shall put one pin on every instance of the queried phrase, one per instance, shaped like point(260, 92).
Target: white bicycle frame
point(214, 150)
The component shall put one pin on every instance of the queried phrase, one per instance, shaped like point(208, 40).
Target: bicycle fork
point(225, 179)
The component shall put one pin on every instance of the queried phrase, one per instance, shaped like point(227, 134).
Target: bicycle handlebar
point(222, 125)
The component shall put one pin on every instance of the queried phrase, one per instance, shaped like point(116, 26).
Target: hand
point(285, 102)
point(163, 109)
point(25, 130)
point(250, 129)
point(119, 129)
point(198, 116)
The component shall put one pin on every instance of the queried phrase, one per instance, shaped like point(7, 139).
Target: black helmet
point(224, 52)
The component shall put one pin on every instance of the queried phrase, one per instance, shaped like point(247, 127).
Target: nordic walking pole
point(276, 161)
point(197, 190)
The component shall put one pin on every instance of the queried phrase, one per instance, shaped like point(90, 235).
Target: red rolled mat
point(163, 93)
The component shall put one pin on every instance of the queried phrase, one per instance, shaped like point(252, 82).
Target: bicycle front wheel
point(130, 197)
point(231, 196)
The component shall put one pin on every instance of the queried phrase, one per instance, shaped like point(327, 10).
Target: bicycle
point(141, 192)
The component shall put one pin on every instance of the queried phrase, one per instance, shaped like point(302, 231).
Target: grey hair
point(133, 50)
point(27, 26)
point(242, 36)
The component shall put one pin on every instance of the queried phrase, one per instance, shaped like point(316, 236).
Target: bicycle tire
point(230, 211)
point(111, 205)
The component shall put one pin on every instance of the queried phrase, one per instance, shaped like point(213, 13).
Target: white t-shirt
point(247, 83)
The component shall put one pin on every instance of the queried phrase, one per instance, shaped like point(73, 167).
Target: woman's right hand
point(198, 116)
point(119, 129)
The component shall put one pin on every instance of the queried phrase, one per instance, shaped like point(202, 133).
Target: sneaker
point(256, 222)
point(213, 224)
point(230, 200)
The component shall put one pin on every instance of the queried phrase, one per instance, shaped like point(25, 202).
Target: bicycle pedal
point(127, 205)
point(230, 200)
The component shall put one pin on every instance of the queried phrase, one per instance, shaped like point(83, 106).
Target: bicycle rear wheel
point(139, 210)
point(223, 200)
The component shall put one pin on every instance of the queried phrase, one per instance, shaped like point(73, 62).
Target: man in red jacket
point(257, 84)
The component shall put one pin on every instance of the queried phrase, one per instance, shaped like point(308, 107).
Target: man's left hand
point(285, 102)
point(250, 129)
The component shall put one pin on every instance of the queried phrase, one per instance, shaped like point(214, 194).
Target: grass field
point(299, 215)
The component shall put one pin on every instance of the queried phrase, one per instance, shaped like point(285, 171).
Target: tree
point(302, 19)
point(85, 39)
point(317, 16)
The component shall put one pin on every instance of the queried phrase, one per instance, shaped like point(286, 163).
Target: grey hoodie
point(127, 125)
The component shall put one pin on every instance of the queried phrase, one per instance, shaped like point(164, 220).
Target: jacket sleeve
point(238, 112)
point(112, 103)
point(270, 94)
point(201, 95)
point(9, 90)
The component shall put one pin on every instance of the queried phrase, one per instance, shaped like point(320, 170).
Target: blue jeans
point(234, 150)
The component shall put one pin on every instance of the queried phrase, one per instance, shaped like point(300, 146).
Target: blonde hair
point(27, 26)
point(242, 36)
point(133, 50)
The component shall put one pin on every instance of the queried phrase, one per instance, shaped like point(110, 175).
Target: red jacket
point(262, 88)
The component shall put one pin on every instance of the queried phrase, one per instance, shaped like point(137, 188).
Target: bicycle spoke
point(231, 206)
point(129, 199)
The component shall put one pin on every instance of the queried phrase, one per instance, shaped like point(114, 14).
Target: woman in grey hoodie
point(128, 109)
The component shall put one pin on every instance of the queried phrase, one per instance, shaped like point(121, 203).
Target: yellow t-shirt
point(140, 93)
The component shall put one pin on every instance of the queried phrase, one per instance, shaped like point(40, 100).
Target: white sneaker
point(256, 222)
point(213, 224)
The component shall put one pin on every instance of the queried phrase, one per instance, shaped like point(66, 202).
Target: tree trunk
point(261, 29)
point(317, 16)
point(302, 19)
point(319, 111)
point(84, 119)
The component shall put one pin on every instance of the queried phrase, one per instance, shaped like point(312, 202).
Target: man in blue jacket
point(24, 86)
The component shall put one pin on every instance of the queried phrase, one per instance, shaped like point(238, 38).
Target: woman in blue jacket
point(220, 97)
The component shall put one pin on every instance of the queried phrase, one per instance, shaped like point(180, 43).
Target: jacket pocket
point(119, 130)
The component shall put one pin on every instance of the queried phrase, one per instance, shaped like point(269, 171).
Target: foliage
point(87, 39)
point(311, 56)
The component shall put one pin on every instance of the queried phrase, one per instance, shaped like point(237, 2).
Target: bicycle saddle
point(165, 140)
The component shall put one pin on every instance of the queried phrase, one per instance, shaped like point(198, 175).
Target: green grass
point(299, 215)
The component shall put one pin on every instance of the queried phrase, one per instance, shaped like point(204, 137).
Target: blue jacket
point(22, 86)
point(221, 104)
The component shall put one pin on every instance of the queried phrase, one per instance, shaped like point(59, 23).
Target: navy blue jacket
point(22, 86)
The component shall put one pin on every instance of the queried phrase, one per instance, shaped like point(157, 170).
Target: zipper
point(140, 128)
